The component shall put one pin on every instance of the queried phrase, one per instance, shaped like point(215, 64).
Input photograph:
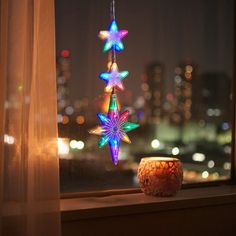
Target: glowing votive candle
point(160, 176)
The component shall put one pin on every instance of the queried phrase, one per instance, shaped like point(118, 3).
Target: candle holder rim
point(160, 158)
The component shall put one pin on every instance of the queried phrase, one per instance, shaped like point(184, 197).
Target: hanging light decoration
point(114, 125)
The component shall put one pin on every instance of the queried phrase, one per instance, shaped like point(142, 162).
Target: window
point(180, 58)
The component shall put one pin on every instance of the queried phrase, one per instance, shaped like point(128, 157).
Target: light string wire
point(113, 17)
point(113, 51)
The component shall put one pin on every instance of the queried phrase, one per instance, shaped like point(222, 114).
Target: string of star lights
point(114, 125)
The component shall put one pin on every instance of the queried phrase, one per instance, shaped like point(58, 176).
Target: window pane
point(179, 55)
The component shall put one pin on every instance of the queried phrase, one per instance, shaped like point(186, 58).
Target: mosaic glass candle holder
point(160, 176)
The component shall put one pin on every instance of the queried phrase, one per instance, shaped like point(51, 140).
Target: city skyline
point(152, 38)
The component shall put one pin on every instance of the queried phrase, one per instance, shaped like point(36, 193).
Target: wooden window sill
point(138, 203)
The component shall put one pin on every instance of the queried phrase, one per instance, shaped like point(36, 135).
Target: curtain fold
point(29, 166)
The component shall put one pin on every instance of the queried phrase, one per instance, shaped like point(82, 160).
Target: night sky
point(166, 31)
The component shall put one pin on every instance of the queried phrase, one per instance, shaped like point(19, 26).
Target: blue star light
point(114, 78)
point(113, 37)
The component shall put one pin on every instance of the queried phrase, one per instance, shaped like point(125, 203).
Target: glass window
point(179, 55)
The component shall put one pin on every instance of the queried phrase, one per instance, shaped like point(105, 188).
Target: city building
point(153, 92)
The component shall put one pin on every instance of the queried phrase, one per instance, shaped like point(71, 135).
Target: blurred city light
point(227, 149)
point(227, 165)
point(65, 53)
point(217, 112)
point(69, 110)
point(175, 151)
point(80, 120)
point(73, 144)
point(65, 120)
point(213, 112)
point(178, 79)
point(63, 146)
point(211, 164)
point(189, 69)
point(199, 157)
point(155, 143)
point(59, 118)
point(205, 174)
point(80, 145)
point(76, 144)
point(225, 126)
point(210, 112)
point(215, 175)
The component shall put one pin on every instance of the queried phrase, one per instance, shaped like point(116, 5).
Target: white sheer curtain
point(29, 178)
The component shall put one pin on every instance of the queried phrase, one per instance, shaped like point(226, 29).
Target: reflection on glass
point(178, 89)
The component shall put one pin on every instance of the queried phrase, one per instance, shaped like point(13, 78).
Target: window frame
point(230, 181)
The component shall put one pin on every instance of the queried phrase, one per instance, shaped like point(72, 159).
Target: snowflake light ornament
point(113, 128)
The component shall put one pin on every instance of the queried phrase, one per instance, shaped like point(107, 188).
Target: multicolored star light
point(113, 37)
point(114, 78)
point(114, 127)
